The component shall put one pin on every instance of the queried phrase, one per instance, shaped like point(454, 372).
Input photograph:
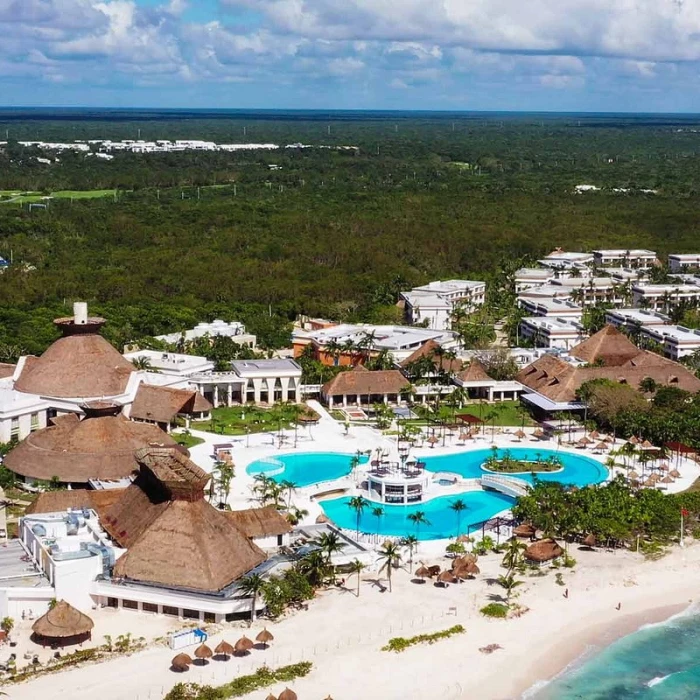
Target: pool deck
point(328, 435)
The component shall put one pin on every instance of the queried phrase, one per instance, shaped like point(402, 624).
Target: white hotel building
point(436, 301)
point(639, 258)
point(660, 296)
point(684, 262)
point(552, 332)
point(677, 341)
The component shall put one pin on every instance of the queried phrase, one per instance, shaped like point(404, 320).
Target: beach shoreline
point(569, 654)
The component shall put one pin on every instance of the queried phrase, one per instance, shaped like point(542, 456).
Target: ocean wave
point(585, 656)
point(692, 610)
point(657, 680)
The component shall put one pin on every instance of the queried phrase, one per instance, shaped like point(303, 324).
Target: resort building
point(164, 406)
point(529, 277)
point(551, 382)
point(348, 344)
point(99, 447)
point(589, 291)
point(478, 385)
point(444, 362)
point(635, 258)
point(360, 386)
point(171, 364)
point(553, 332)
point(563, 261)
point(252, 381)
point(234, 330)
point(434, 304)
point(677, 341)
point(551, 308)
point(631, 320)
point(660, 297)
point(684, 262)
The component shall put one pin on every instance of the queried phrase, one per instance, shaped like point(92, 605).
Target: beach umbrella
point(520, 434)
point(446, 577)
point(589, 540)
point(464, 436)
point(264, 637)
point(594, 435)
point(538, 433)
point(181, 663)
point(633, 475)
point(224, 649)
point(667, 480)
point(664, 466)
point(287, 694)
point(243, 646)
point(602, 445)
point(647, 445)
point(203, 652)
point(432, 440)
point(608, 439)
point(524, 530)
point(270, 697)
point(633, 440)
point(422, 572)
point(584, 441)
point(650, 483)
point(675, 473)
point(654, 478)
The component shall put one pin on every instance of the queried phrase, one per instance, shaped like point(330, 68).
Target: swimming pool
point(578, 470)
point(305, 468)
point(481, 505)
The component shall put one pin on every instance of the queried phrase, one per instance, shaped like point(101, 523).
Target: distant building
point(529, 277)
point(553, 332)
point(677, 341)
point(362, 387)
point(634, 258)
point(234, 330)
point(684, 262)
point(554, 308)
point(661, 296)
point(435, 302)
point(633, 319)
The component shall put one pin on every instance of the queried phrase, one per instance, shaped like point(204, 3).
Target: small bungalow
point(543, 552)
point(163, 406)
point(266, 527)
point(361, 386)
point(63, 625)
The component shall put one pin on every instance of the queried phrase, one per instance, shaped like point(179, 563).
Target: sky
point(526, 55)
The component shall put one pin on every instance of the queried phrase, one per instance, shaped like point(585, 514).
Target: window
point(112, 603)
point(35, 422)
point(191, 614)
point(150, 607)
point(209, 617)
point(130, 604)
point(169, 610)
point(14, 429)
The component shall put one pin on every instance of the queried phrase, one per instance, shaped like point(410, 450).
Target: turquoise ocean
point(658, 662)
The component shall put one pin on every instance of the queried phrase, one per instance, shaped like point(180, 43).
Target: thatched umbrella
point(633, 475)
point(270, 697)
point(675, 473)
point(633, 440)
point(601, 445)
point(243, 646)
point(666, 480)
point(594, 435)
point(654, 477)
point(538, 433)
point(264, 638)
point(647, 445)
point(287, 694)
point(203, 652)
point(583, 442)
point(63, 624)
point(464, 436)
point(181, 663)
point(520, 433)
point(463, 539)
point(466, 571)
point(525, 530)
point(543, 551)
point(323, 518)
point(589, 540)
point(608, 439)
point(650, 483)
point(664, 466)
point(422, 572)
point(446, 577)
point(433, 440)
point(224, 649)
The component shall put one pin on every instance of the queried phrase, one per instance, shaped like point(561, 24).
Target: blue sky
point(594, 55)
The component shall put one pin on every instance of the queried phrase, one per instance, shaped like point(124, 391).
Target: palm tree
point(356, 567)
point(458, 506)
point(378, 512)
point(355, 462)
point(329, 543)
point(358, 504)
point(314, 566)
point(142, 363)
point(509, 582)
point(289, 487)
point(224, 472)
point(411, 543)
point(252, 585)
point(391, 556)
point(418, 518)
point(514, 555)
point(296, 515)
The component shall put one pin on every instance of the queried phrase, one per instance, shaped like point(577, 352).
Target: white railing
point(508, 485)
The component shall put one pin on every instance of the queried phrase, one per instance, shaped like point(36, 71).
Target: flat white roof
point(623, 252)
point(449, 286)
point(432, 301)
point(533, 273)
point(386, 337)
point(576, 282)
point(642, 316)
point(680, 334)
point(17, 402)
point(554, 304)
point(552, 323)
point(273, 367)
point(568, 255)
point(170, 360)
point(690, 257)
point(663, 288)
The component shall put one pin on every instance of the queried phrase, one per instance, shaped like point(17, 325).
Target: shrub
point(455, 548)
point(497, 610)
point(569, 562)
point(399, 644)
point(559, 578)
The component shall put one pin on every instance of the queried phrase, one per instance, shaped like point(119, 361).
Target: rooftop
point(272, 367)
point(385, 337)
point(171, 360)
point(678, 333)
point(554, 324)
point(449, 286)
point(640, 316)
point(624, 252)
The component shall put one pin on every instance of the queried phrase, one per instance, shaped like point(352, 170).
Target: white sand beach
point(342, 634)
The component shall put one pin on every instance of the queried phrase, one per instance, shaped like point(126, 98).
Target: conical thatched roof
point(608, 347)
point(62, 621)
point(173, 536)
point(264, 637)
point(287, 694)
point(203, 652)
point(181, 662)
point(543, 551)
point(101, 446)
point(243, 645)
point(224, 648)
point(82, 364)
point(422, 571)
point(589, 540)
point(524, 530)
point(475, 372)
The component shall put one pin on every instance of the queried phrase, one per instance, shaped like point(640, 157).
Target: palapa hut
point(287, 694)
point(525, 530)
point(203, 653)
point(101, 446)
point(174, 538)
point(543, 552)
point(224, 649)
point(264, 637)
point(422, 572)
point(63, 625)
point(243, 646)
point(162, 405)
point(267, 527)
point(181, 662)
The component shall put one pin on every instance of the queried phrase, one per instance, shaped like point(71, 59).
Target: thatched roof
point(181, 661)
point(173, 536)
point(160, 404)
point(55, 501)
point(82, 364)
point(362, 382)
point(543, 551)
point(6, 370)
point(244, 644)
point(476, 372)
point(525, 530)
point(224, 648)
point(260, 522)
point(264, 637)
point(287, 694)
point(62, 621)
point(558, 380)
point(203, 652)
point(97, 447)
point(432, 350)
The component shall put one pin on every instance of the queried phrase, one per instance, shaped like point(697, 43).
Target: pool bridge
point(507, 485)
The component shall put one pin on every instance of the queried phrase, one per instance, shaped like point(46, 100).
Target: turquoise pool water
point(481, 505)
point(305, 468)
point(659, 662)
point(578, 470)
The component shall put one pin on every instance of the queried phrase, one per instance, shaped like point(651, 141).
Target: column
point(297, 393)
point(386, 399)
point(256, 389)
point(345, 401)
point(490, 393)
point(229, 393)
point(284, 383)
point(216, 396)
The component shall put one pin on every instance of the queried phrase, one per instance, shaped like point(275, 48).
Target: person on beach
point(566, 593)
point(619, 605)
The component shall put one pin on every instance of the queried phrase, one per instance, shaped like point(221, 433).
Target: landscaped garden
point(241, 420)
point(507, 464)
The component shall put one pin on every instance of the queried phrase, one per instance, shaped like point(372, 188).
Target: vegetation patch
point(496, 610)
point(506, 464)
point(240, 686)
point(399, 644)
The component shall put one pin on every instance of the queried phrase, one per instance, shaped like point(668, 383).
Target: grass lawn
point(507, 413)
point(238, 420)
point(32, 197)
point(187, 440)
